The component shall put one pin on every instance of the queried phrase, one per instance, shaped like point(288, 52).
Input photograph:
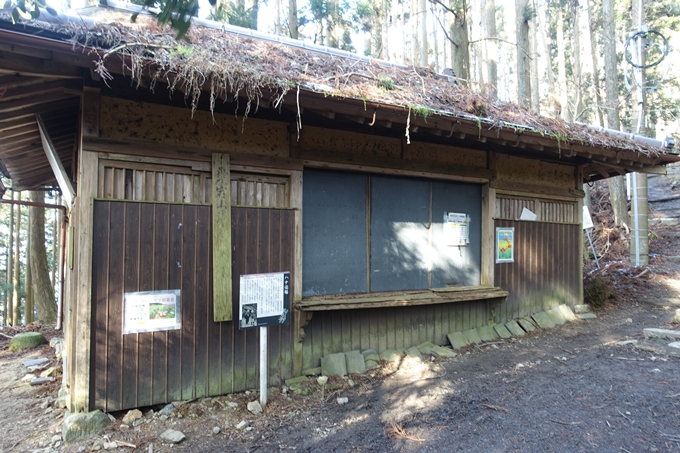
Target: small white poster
point(587, 220)
point(150, 311)
point(264, 299)
point(456, 231)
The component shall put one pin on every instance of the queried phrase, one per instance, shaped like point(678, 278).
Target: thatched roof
point(221, 64)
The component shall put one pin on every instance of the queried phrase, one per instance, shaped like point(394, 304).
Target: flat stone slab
point(443, 352)
point(35, 362)
point(566, 313)
point(355, 362)
point(514, 328)
point(371, 359)
point(502, 331)
point(556, 315)
point(526, 324)
point(487, 333)
point(586, 316)
point(296, 381)
point(457, 340)
point(661, 334)
point(544, 320)
point(676, 318)
point(390, 355)
point(675, 344)
point(415, 352)
point(583, 308)
point(334, 365)
point(472, 336)
point(425, 348)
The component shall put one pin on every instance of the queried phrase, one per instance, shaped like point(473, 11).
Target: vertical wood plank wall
point(149, 246)
point(387, 328)
point(546, 271)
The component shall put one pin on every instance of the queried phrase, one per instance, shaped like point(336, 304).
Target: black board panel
point(456, 266)
point(400, 221)
point(333, 233)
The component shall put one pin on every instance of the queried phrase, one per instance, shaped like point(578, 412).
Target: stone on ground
point(472, 336)
point(583, 308)
point(443, 352)
point(502, 331)
point(296, 381)
point(676, 318)
point(83, 425)
point(486, 333)
point(415, 352)
point(514, 328)
point(425, 348)
point(343, 400)
point(372, 359)
point(35, 362)
point(526, 324)
point(355, 363)
point(544, 320)
point(26, 340)
point(312, 371)
point(255, 408)
point(566, 312)
point(131, 416)
point(675, 344)
point(661, 334)
point(457, 340)
point(172, 436)
point(556, 316)
point(334, 365)
point(322, 380)
point(168, 409)
point(586, 316)
point(390, 355)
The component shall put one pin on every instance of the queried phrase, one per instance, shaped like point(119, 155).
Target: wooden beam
point(82, 328)
point(30, 111)
point(318, 158)
point(535, 190)
point(20, 104)
point(488, 235)
point(299, 319)
point(53, 157)
point(221, 223)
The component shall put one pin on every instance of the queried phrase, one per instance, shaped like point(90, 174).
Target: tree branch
point(505, 41)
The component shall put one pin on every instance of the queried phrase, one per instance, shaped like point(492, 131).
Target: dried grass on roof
point(217, 62)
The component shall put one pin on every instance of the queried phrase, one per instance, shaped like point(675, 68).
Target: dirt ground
point(571, 388)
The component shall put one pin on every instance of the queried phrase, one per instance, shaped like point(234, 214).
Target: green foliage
point(235, 14)
point(27, 9)
point(177, 13)
point(529, 12)
point(182, 51)
point(420, 110)
point(386, 83)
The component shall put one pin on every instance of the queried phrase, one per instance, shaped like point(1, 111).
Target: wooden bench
point(401, 298)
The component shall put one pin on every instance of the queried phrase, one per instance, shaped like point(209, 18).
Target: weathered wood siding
point(546, 271)
point(553, 211)
point(156, 246)
point(388, 328)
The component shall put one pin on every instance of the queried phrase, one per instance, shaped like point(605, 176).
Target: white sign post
point(587, 224)
point(264, 300)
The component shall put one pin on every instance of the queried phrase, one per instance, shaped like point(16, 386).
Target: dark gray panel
point(456, 266)
point(333, 233)
point(399, 233)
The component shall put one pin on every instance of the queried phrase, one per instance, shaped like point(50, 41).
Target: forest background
point(572, 59)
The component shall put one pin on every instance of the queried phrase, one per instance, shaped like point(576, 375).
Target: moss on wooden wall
point(320, 139)
point(122, 119)
point(428, 152)
point(537, 172)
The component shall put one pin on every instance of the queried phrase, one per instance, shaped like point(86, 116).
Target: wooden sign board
point(264, 300)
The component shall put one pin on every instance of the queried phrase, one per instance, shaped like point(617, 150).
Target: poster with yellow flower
point(505, 241)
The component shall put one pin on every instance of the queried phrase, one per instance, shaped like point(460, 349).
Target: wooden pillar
point(488, 258)
point(299, 318)
point(81, 329)
point(221, 223)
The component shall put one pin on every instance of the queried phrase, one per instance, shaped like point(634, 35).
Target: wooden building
point(194, 164)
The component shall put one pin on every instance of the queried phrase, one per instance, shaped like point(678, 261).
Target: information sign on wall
point(456, 229)
point(151, 311)
point(505, 241)
point(264, 300)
